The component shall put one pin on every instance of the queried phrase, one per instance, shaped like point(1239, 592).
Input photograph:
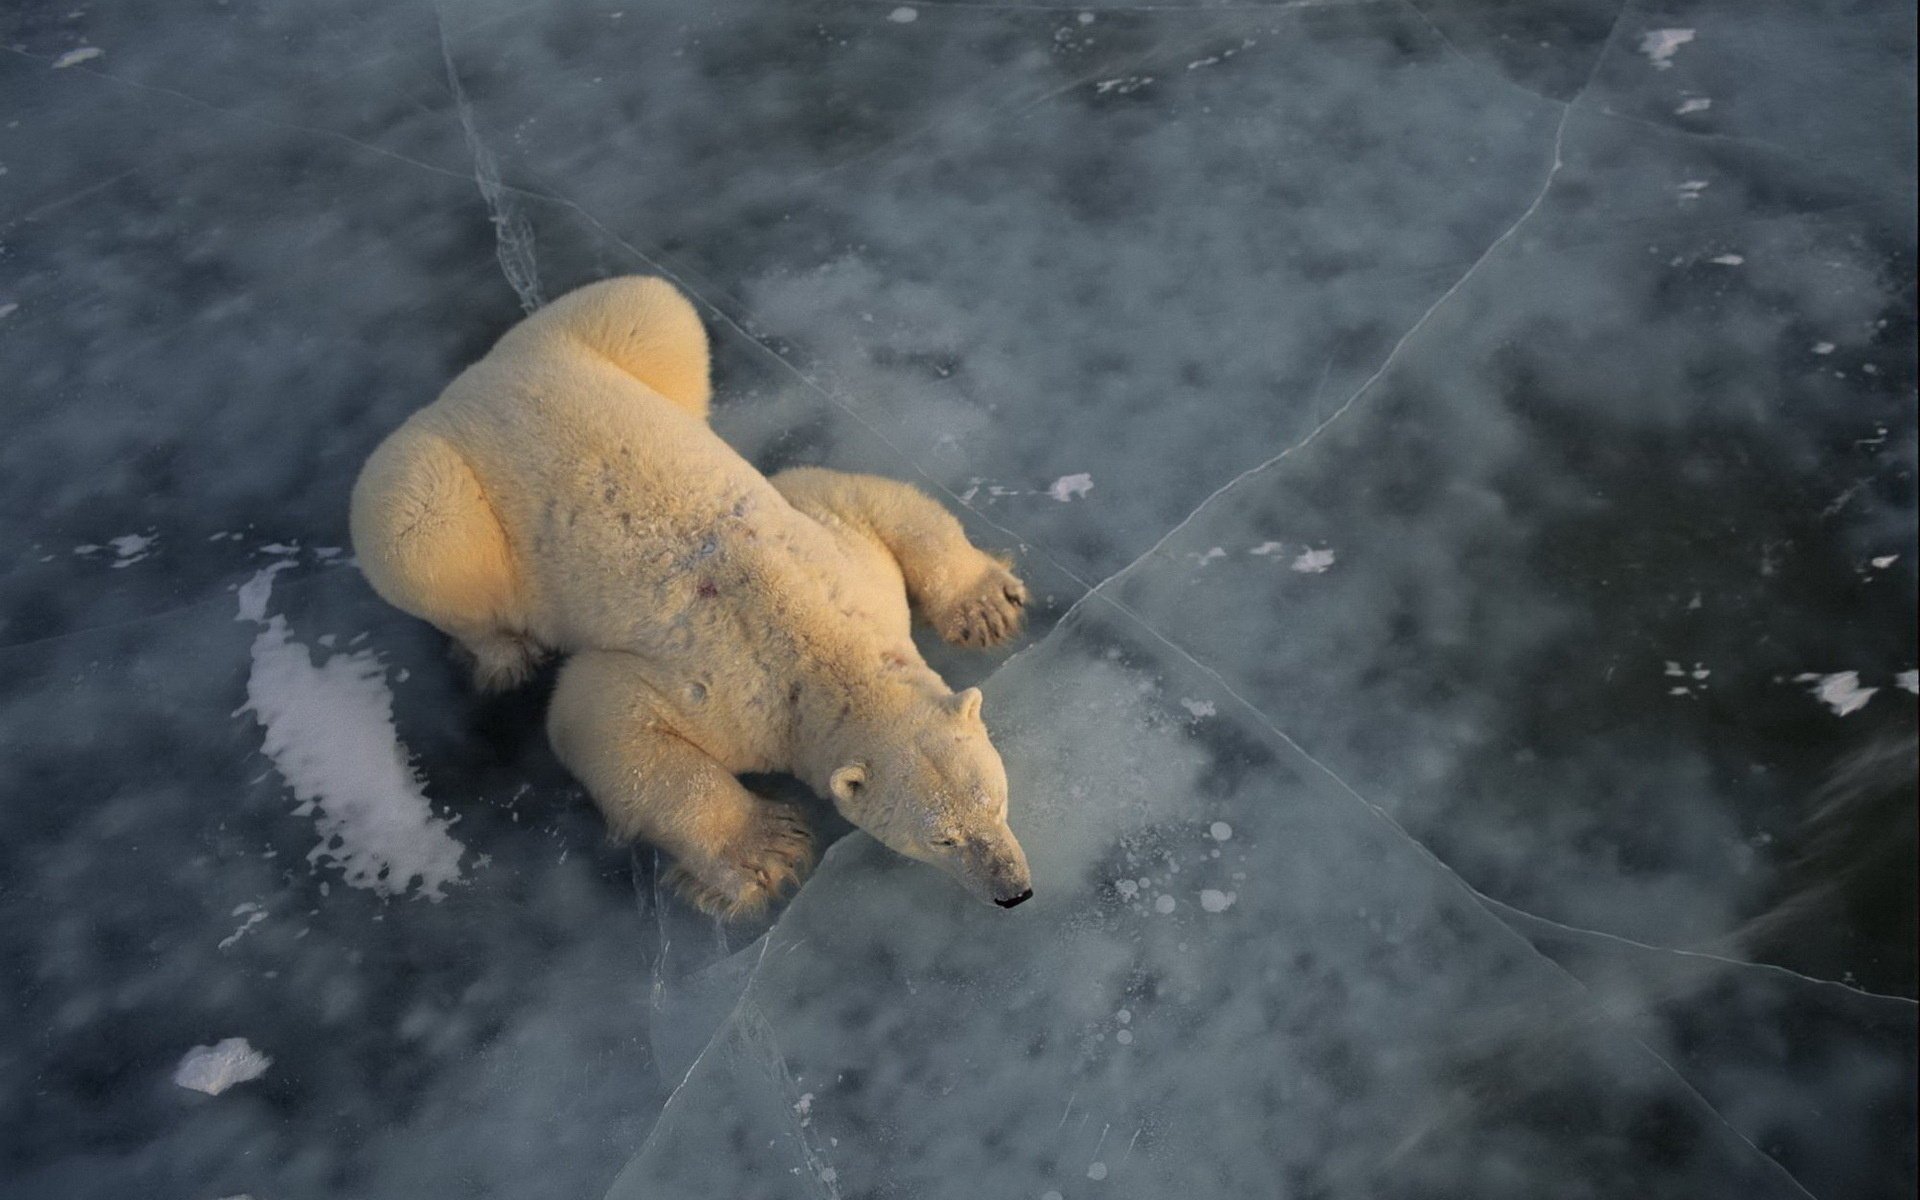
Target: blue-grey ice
point(1463, 454)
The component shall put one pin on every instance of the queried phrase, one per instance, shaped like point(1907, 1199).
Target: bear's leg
point(429, 543)
point(970, 597)
point(642, 325)
point(733, 851)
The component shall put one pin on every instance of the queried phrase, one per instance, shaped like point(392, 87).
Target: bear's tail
point(644, 326)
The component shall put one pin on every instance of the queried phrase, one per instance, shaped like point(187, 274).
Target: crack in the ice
point(1719, 960)
point(513, 233)
point(747, 1022)
point(724, 1030)
point(893, 147)
point(1366, 385)
point(242, 114)
point(1099, 591)
point(678, 279)
point(1380, 813)
point(60, 202)
point(224, 598)
point(1546, 185)
point(1601, 110)
point(1482, 898)
point(814, 1166)
point(1746, 143)
point(1482, 901)
point(1475, 65)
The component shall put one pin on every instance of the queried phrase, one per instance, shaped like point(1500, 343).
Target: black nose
point(1010, 901)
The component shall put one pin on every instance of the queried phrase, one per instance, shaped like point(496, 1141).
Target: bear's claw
point(985, 614)
point(744, 878)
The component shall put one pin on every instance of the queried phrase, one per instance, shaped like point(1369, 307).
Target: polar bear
point(566, 495)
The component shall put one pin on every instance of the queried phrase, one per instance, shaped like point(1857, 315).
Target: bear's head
point(928, 784)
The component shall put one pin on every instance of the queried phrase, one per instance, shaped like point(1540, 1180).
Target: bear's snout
point(994, 868)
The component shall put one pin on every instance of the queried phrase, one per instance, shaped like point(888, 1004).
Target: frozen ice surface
point(1464, 452)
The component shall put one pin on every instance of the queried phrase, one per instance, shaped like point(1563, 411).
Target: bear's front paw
point(758, 867)
point(984, 613)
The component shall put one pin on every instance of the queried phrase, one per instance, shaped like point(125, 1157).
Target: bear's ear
point(966, 703)
point(846, 782)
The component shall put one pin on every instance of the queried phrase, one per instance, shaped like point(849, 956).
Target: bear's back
point(634, 525)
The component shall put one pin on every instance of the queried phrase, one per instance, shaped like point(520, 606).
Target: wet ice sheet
point(1605, 438)
point(1456, 699)
point(1355, 1022)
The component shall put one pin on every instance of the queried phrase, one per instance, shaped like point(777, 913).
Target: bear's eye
point(944, 842)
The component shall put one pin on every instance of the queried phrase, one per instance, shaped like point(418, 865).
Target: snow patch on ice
point(130, 548)
point(1314, 562)
point(1199, 708)
point(1840, 691)
point(1908, 681)
point(1214, 901)
point(255, 592)
point(253, 913)
point(74, 58)
point(1067, 487)
point(1693, 105)
point(1660, 45)
point(1728, 260)
point(213, 1069)
point(904, 15)
point(330, 734)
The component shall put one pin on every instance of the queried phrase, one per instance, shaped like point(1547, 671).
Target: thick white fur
point(565, 494)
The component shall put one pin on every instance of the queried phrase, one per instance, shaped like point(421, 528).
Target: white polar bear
point(565, 494)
